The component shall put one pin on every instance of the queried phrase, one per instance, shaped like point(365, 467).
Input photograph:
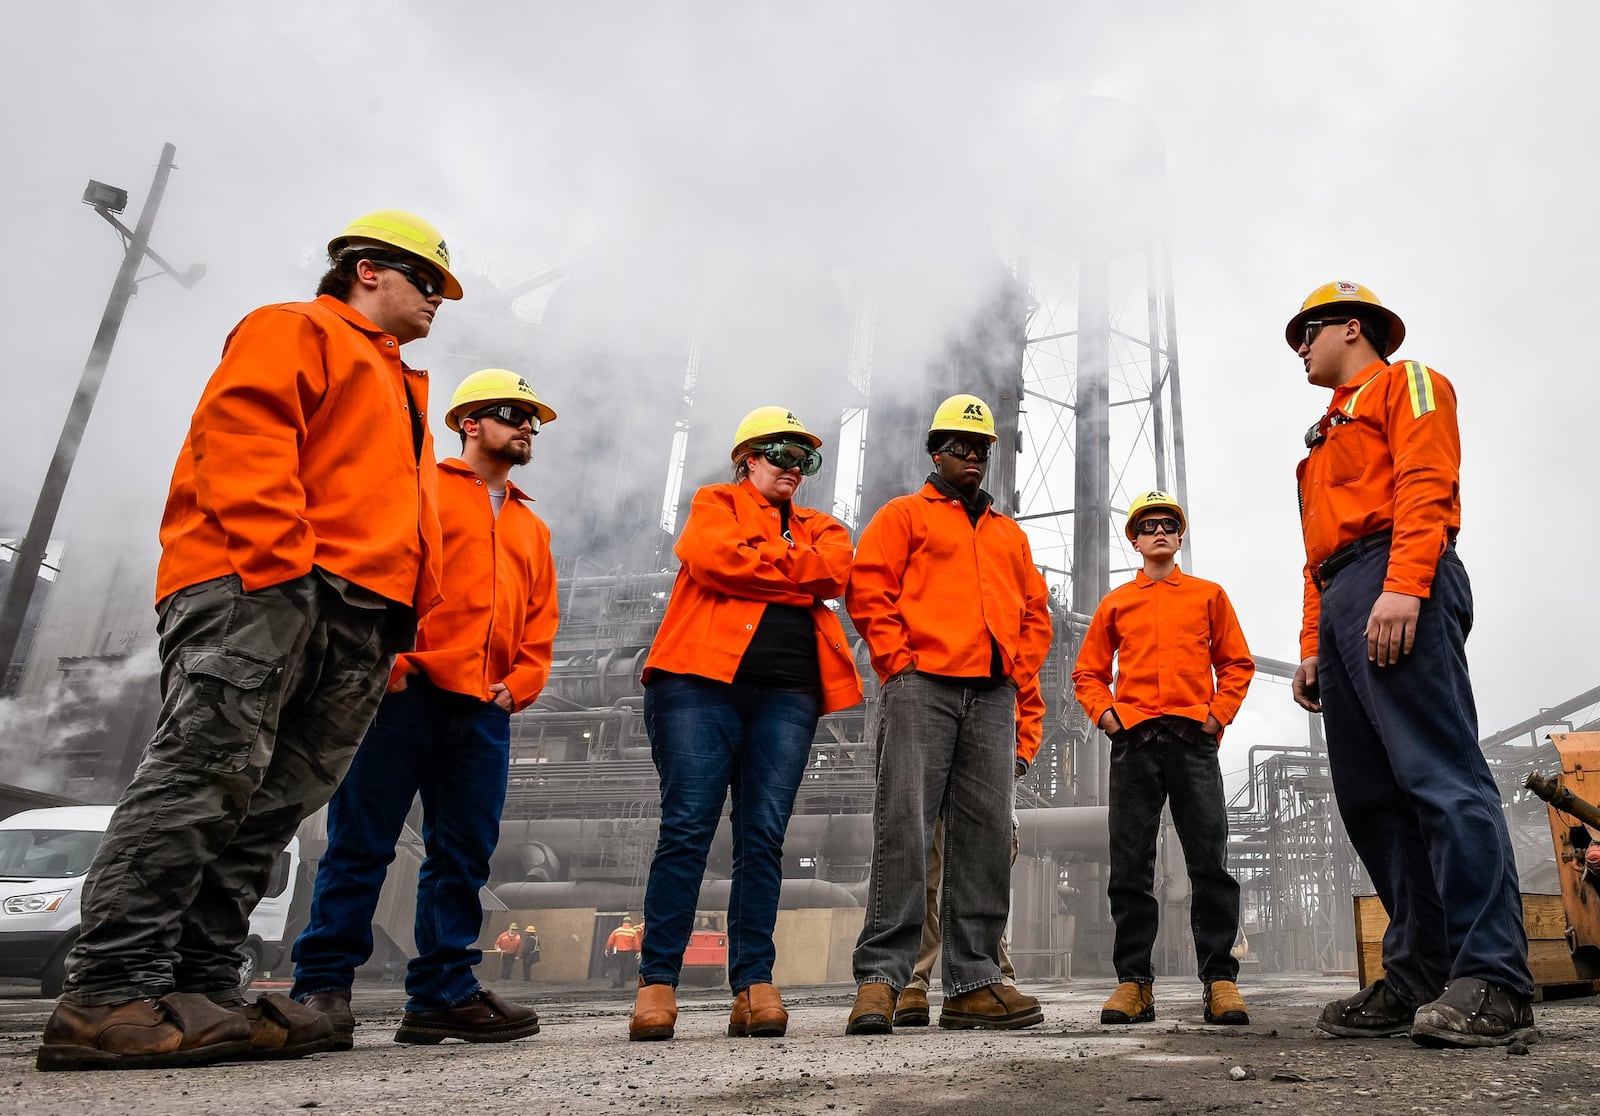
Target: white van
point(44, 857)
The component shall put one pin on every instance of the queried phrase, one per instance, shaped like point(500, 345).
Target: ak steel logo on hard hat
point(443, 253)
point(973, 411)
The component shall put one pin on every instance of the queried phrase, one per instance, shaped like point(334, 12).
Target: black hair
point(1374, 329)
point(340, 279)
point(937, 439)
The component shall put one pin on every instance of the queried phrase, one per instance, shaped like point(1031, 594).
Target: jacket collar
point(936, 489)
point(1142, 580)
point(461, 469)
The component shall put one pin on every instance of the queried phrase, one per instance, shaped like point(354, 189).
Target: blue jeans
point(708, 738)
point(455, 750)
point(945, 751)
point(1416, 796)
point(1157, 761)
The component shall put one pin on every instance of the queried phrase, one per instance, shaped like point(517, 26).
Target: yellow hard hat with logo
point(965, 413)
point(494, 385)
point(1154, 500)
point(771, 424)
point(402, 230)
point(1335, 297)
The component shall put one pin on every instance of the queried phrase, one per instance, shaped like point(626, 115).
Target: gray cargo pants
point(265, 697)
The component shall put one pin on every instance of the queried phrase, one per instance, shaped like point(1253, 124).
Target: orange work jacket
point(302, 453)
point(509, 942)
point(929, 590)
point(734, 562)
point(1390, 461)
point(624, 939)
point(1168, 638)
point(500, 611)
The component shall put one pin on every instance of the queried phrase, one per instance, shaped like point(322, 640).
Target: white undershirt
point(497, 500)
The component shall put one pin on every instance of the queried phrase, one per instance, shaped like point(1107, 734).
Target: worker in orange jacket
point(747, 659)
point(623, 944)
point(444, 731)
point(957, 620)
point(1383, 657)
point(1182, 667)
point(300, 544)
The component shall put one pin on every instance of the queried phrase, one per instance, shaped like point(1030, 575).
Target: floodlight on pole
point(106, 201)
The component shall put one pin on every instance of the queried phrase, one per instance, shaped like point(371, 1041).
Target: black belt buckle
point(1347, 554)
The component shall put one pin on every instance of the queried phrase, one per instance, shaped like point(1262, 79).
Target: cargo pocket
point(226, 696)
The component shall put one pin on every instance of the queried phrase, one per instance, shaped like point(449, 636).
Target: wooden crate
point(1542, 917)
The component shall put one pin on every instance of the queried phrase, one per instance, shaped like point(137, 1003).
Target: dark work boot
point(1474, 1012)
point(1374, 1012)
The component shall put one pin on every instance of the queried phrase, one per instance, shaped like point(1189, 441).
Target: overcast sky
point(1442, 153)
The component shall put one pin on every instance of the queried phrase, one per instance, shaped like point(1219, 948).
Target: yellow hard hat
point(966, 413)
point(1343, 293)
point(406, 231)
point(1149, 501)
point(771, 423)
point(626, 921)
point(494, 385)
point(513, 926)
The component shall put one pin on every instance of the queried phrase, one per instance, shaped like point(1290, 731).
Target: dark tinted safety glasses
point(790, 455)
point(506, 413)
point(960, 447)
point(429, 284)
point(1151, 526)
point(1314, 328)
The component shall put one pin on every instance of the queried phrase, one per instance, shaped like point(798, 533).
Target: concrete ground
point(581, 1063)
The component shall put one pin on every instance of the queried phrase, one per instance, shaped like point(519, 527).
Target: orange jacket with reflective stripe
point(1390, 460)
point(735, 562)
point(930, 590)
point(301, 453)
point(624, 939)
point(500, 611)
point(1168, 638)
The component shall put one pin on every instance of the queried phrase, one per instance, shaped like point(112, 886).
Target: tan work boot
point(768, 1018)
point(179, 1029)
point(994, 1007)
point(911, 1009)
point(873, 1012)
point(1132, 1002)
point(1224, 1004)
point(739, 1017)
point(655, 1013)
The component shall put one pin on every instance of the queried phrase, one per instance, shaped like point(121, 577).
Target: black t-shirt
point(783, 652)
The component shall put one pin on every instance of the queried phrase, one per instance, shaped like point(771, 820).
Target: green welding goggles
point(790, 455)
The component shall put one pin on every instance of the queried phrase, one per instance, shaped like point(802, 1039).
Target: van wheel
point(54, 976)
point(249, 964)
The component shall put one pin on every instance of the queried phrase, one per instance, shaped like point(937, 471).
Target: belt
point(1348, 553)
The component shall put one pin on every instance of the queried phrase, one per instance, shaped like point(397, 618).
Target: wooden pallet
point(1554, 975)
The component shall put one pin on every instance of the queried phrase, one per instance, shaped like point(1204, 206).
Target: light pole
point(107, 201)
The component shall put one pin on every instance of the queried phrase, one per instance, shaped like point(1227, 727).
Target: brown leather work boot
point(655, 1013)
point(1132, 1002)
point(285, 1028)
point(911, 1009)
point(873, 1011)
point(768, 1018)
point(994, 1007)
point(1224, 1004)
point(482, 1017)
point(179, 1029)
point(739, 1017)
point(335, 1004)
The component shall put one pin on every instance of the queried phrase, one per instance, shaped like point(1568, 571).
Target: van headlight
point(37, 903)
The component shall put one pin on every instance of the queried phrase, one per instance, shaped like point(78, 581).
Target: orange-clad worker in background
point(1182, 667)
point(1383, 657)
point(444, 731)
point(299, 544)
point(623, 944)
point(957, 619)
point(509, 946)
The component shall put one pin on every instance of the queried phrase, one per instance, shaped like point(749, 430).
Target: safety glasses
point(1151, 526)
point(1314, 328)
point(790, 455)
point(960, 447)
point(508, 414)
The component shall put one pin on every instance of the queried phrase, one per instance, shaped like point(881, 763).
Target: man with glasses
point(1163, 669)
point(1383, 658)
point(300, 544)
point(956, 616)
point(444, 731)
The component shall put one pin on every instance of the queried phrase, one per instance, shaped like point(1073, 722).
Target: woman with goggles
point(747, 658)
